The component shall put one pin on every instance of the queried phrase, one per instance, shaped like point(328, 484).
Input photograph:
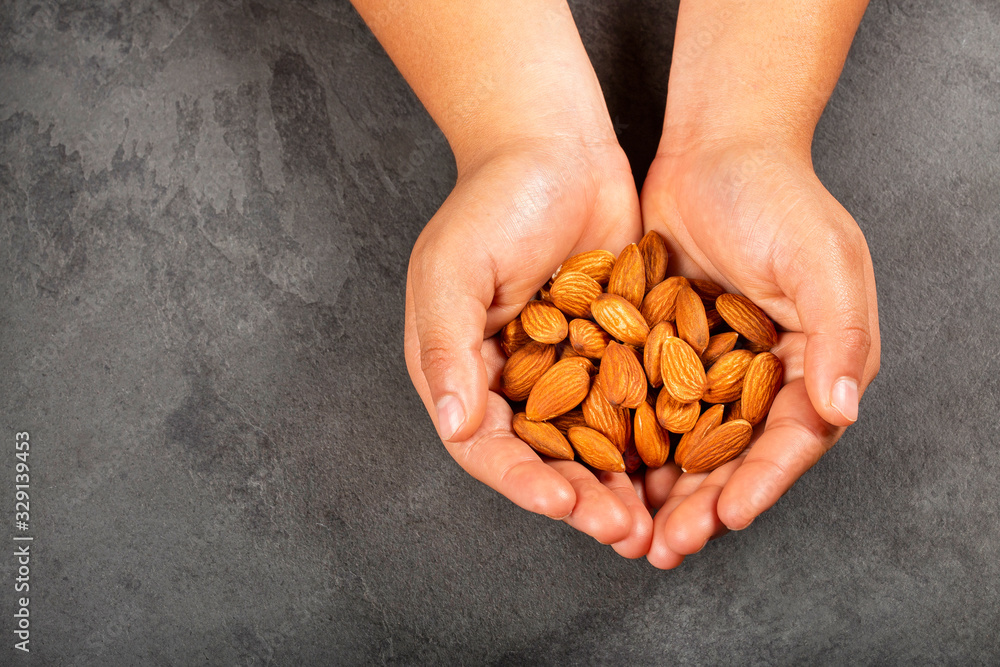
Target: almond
point(715, 320)
point(558, 391)
point(725, 377)
point(708, 420)
point(544, 322)
point(760, 385)
point(675, 416)
point(735, 411)
point(595, 449)
point(595, 263)
point(707, 290)
point(544, 438)
point(654, 253)
point(745, 317)
point(622, 378)
point(651, 353)
point(614, 423)
point(628, 277)
point(588, 339)
point(661, 301)
point(651, 442)
point(692, 324)
point(683, 373)
point(631, 458)
point(573, 291)
point(583, 362)
point(718, 345)
point(620, 319)
point(525, 366)
point(572, 418)
point(513, 337)
point(721, 445)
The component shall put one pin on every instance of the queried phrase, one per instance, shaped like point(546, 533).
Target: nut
point(559, 390)
point(745, 317)
point(628, 277)
point(595, 449)
point(720, 445)
point(524, 367)
point(620, 319)
point(725, 377)
point(544, 322)
point(543, 437)
point(654, 258)
point(683, 373)
point(588, 339)
point(651, 441)
point(760, 385)
point(595, 263)
point(622, 378)
point(573, 291)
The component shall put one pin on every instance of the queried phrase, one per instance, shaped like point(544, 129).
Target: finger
point(692, 521)
point(636, 544)
point(794, 439)
point(448, 307)
point(659, 483)
point(598, 512)
point(830, 288)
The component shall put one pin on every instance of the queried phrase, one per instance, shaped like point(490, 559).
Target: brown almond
point(675, 416)
point(595, 263)
point(660, 303)
point(544, 322)
point(543, 437)
point(718, 345)
point(715, 320)
point(565, 421)
point(735, 411)
point(654, 253)
point(651, 441)
point(651, 353)
point(598, 413)
point(631, 457)
point(573, 291)
point(564, 351)
point(622, 377)
point(760, 385)
point(628, 277)
point(595, 449)
point(620, 319)
point(725, 377)
point(708, 420)
point(745, 317)
point(588, 339)
point(525, 366)
point(558, 391)
point(721, 445)
point(707, 290)
point(513, 337)
point(583, 362)
point(683, 373)
point(692, 324)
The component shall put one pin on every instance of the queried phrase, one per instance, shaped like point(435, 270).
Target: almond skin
point(543, 437)
point(622, 377)
point(513, 337)
point(707, 290)
point(654, 348)
point(760, 385)
point(718, 345)
point(628, 277)
point(660, 303)
point(524, 367)
point(583, 362)
point(571, 418)
point(735, 411)
point(544, 322)
point(588, 339)
point(721, 445)
point(599, 414)
point(725, 377)
point(595, 263)
point(708, 420)
point(692, 323)
point(620, 319)
point(651, 442)
point(558, 391)
point(573, 291)
point(654, 253)
point(715, 320)
point(632, 459)
point(682, 370)
point(675, 416)
point(596, 450)
point(744, 316)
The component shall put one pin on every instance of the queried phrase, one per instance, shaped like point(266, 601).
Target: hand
point(512, 218)
point(758, 221)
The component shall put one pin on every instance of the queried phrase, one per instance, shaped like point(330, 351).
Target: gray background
point(207, 209)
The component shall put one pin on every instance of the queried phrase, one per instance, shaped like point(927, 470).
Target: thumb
point(449, 299)
point(832, 299)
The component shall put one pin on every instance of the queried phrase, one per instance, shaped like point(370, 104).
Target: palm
point(746, 228)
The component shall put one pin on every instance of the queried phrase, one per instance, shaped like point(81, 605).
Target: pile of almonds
point(613, 357)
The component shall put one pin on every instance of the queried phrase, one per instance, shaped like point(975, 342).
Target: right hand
point(511, 220)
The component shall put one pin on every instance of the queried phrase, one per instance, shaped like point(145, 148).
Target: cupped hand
point(757, 220)
point(511, 219)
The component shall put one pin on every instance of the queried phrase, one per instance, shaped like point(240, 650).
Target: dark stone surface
point(206, 210)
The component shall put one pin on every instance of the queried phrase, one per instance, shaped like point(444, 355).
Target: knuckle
point(856, 340)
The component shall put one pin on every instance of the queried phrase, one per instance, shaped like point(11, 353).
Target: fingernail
point(844, 398)
point(451, 415)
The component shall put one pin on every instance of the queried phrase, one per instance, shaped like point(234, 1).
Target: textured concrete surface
point(206, 210)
